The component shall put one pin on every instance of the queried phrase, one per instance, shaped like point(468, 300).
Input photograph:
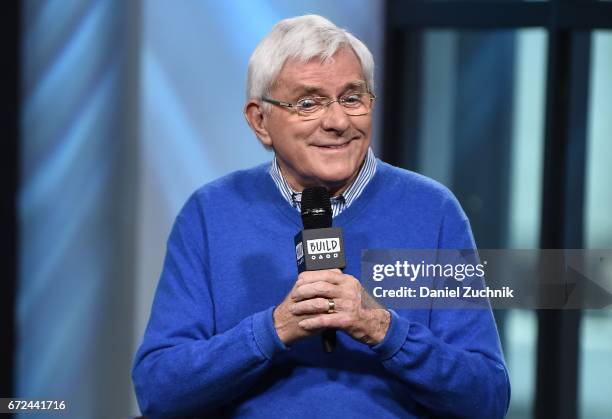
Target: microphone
point(319, 246)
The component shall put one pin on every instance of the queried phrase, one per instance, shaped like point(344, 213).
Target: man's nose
point(335, 119)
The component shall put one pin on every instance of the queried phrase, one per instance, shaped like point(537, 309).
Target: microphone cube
point(319, 248)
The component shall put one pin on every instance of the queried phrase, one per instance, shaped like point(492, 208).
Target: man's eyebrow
point(306, 89)
point(356, 84)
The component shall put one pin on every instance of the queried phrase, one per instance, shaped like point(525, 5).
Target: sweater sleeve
point(454, 367)
point(183, 367)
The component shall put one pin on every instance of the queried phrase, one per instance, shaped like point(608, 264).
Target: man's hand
point(304, 311)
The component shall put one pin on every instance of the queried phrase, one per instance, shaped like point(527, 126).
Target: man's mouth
point(334, 146)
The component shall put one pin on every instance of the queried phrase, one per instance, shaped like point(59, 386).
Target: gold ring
point(331, 306)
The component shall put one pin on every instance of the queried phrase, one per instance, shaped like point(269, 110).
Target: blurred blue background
point(128, 107)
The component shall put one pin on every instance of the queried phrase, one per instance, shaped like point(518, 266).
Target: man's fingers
point(320, 289)
point(333, 276)
point(312, 306)
point(324, 321)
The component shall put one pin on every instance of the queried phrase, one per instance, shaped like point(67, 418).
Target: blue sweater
point(210, 348)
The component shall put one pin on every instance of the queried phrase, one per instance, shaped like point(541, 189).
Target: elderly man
point(235, 331)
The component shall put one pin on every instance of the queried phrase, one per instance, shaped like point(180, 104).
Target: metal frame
point(569, 24)
point(562, 14)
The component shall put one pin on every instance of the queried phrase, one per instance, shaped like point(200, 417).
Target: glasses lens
point(310, 107)
point(356, 104)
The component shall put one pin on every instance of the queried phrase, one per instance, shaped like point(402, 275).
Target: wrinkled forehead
point(343, 70)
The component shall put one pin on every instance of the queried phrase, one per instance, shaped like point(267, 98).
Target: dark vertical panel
point(401, 93)
point(392, 102)
point(9, 169)
point(575, 181)
point(409, 98)
point(562, 214)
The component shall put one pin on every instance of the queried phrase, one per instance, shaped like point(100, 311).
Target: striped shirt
point(340, 202)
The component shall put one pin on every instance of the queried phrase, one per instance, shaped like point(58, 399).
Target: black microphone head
point(316, 208)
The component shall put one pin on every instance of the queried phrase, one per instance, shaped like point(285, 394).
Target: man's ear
point(254, 114)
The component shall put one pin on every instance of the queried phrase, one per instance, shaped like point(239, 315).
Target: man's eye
point(307, 104)
point(351, 99)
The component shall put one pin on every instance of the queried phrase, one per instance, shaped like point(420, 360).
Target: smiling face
point(326, 151)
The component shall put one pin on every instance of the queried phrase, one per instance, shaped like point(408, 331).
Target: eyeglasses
point(353, 104)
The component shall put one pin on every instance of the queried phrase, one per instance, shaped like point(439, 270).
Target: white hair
point(301, 38)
